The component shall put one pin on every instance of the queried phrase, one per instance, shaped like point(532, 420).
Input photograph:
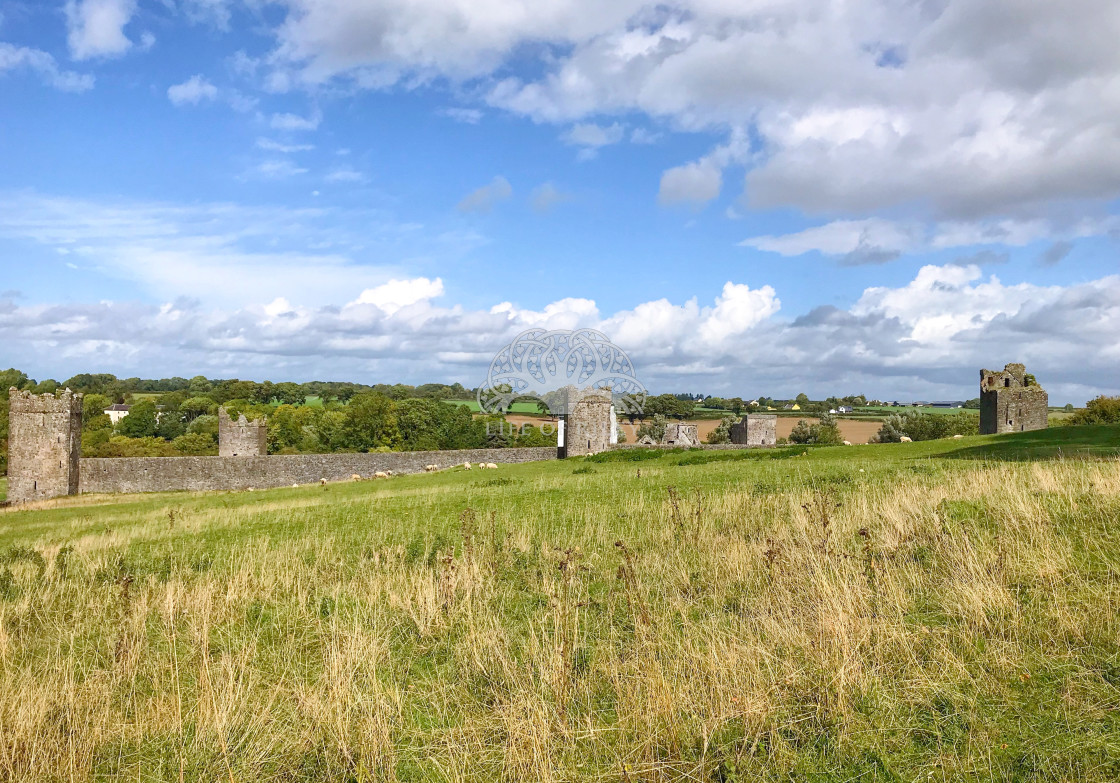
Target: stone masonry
point(241, 438)
point(168, 474)
point(1010, 401)
point(587, 429)
point(756, 429)
point(44, 445)
point(681, 434)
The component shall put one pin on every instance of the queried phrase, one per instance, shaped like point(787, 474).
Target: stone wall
point(756, 429)
point(587, 429)
point(241, 438)
point(1011, 402)
point(44, 445)
point(681, 434)
point(163, 474)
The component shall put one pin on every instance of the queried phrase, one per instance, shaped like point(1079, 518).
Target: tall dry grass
point(956, 624)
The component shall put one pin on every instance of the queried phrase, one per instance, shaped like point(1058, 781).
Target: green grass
point(3, 488)
point(928, 611)
point(517, 407)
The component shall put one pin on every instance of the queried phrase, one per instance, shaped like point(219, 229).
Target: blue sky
point(751, 198)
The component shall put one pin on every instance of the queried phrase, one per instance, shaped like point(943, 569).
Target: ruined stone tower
point(756, 429)
point(44, 445)
point(679, 434)
point(1011, 401)
point(241, 438)
point(587, 429)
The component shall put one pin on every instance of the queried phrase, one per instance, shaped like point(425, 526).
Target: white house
point(116, 412)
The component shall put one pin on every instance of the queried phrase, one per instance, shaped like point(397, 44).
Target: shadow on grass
point(1098, 441)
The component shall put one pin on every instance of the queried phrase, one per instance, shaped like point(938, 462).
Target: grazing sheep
point(847, 443)
point(905, 439)
point(956, 437)
point(491, 465)
point(355, 477)
point(295, 486)
point(322, 482)
point(431, 468)
point(466, 466)
point(381, 474)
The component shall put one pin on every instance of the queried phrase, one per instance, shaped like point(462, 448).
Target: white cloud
point(275, 146)
point(395, 294)
point(193, 91)
point(278, 169)
point(546, 196)
point(346, 175)
point(925, 338)
point(593, 136)
point(696, 183)
point(951, 110)
point(95, 28)
point(459, 114)
point(872, 239)
point(484, 199)
point(43, 64)
point(294, 122)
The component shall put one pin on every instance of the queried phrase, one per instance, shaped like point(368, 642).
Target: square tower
point(241, 438)
point(44, 445)
point(587, 429)
point(1011, 401)
point(756, 429)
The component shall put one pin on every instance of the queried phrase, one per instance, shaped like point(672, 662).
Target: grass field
point(943, 610)
point(517, 407)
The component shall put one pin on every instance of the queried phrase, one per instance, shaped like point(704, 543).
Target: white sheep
point(957, 437)
point(355, 477)
point(322, 482)
point(466, 466)
point(905, 439)
point(847, 443)
point(381, 474)
point(491, 465)
point(431, 468)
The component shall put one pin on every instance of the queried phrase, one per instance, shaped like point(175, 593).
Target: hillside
point(937, 610)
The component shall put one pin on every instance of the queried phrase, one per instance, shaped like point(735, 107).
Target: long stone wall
point(163, 474)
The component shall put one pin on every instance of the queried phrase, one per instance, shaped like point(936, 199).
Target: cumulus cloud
point(590, 137)
point(271, 145)
point(278, 169)
point(95, 28)
point(43, 64)
point(951, 110)
point(460, 114)
point(694, 183)
point(925, 338)
point(193, 91)
point(484, 199)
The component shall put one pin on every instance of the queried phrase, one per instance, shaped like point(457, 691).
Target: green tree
point(722, 432)
point(802, 399)
point(140, 421)
point(1102, 410)
point(371, 422)
point(655, 428)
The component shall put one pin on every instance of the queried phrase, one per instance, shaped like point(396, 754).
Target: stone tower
point(678, 433)
point(756, 429)
point(241, 438)
point(44, 445)
point(1011, 401)
point(587, 429)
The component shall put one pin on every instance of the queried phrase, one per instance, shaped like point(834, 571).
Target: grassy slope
point(937, 610)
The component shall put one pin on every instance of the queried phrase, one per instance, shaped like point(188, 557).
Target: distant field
point(886, 409)
point(930, 611)
point(517, 407)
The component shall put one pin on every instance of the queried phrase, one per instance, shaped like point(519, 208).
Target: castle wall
point(756, 429)
point(1009, 404)
point(681, 434)
point(241, 437)
point(44, 445)
point(164, 474)
point(587, 429)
